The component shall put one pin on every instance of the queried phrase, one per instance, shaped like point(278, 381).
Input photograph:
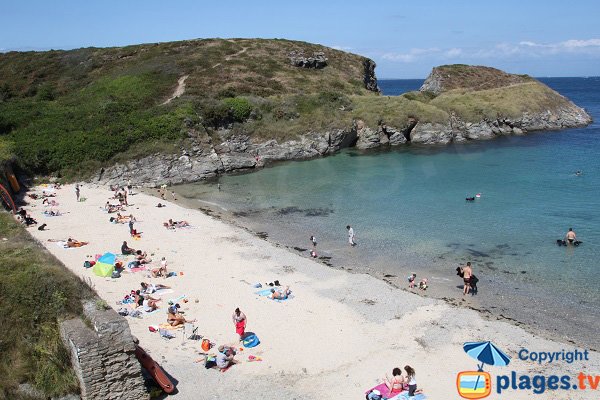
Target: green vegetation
point(35, 293)
point(461, 76)
point(72, 112)
point(509, 102)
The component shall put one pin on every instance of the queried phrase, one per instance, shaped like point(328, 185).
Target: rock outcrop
point(103, 355)
point(204, 156)
point(202, 160)
point(470, 77)
point(370, 79)
point(317, 61)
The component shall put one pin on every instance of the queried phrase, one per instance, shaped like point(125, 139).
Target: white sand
point(335, 339)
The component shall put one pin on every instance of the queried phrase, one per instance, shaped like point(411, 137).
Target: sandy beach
point(336, 338)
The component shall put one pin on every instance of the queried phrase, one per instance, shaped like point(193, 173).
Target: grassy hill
point(74, 111)
point(36, 291)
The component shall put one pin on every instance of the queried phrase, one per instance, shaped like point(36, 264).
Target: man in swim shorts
point(467, 273)
point(571, 236)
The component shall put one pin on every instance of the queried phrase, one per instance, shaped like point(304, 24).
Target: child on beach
point(313, 240)
point(412, 280)
point(423, 284)
point(350, 235)
point(412, 382)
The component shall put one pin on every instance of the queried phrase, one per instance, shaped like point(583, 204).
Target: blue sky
point(405, 38)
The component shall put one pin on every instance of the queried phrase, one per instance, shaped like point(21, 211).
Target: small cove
point(407, 206)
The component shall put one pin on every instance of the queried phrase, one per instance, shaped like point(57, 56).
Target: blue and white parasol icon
point(486, 353)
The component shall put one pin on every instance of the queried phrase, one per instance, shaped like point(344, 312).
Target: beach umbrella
point(105, 265)
point(486, 353)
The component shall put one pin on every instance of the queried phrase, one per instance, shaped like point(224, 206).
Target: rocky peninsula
point(452, 89)
point(185, 111)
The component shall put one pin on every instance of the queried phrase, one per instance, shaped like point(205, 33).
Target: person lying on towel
point(278, 294)
point(75, 243)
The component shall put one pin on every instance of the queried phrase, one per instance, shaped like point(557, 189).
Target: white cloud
point(524, 48)
point(411, 55)
point(453, 52)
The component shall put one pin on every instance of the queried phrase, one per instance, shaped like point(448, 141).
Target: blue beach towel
point(404, 396)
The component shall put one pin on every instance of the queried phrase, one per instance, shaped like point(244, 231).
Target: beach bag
point(205, 345)
point(87, 264)
point(210, 362)
point(115, 274)
point(123, 311)
point(251, 341)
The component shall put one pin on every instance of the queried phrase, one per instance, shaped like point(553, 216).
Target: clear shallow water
point(408, 210)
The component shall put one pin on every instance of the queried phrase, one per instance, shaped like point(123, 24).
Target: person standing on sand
point(350, 235)
point(239, 320)
point(467, 273)
point(77, 191)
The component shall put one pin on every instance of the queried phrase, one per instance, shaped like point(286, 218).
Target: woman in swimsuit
point(396, 384)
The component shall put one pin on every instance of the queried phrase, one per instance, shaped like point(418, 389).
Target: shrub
point(240, 108)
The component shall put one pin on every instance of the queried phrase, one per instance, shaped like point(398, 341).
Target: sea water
point(407, 205)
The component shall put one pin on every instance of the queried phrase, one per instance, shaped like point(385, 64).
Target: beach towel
point(404, 396)
point(141, 309)
point(168, 326)
point(137, 269)
point(383, 389)
point(267, 292)
point(175, 300)
point(160, 292)
point(63, 245)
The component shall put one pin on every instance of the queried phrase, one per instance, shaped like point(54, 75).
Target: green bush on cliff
point(240, 108)
point(36, 292)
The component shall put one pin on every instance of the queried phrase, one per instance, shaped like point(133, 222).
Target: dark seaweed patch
point(262, 235)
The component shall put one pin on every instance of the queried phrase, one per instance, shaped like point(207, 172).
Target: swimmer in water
point(571, 236)
point(578, 173)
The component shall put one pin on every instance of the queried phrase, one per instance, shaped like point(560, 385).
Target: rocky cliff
point(506, 105)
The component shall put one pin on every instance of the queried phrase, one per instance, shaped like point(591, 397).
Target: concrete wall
point(103, 356)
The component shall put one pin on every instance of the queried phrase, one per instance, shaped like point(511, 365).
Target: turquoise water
point(408, 209)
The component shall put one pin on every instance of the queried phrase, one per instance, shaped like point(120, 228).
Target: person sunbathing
point(142, 257)
point(52, 213)
point(123, 219)
point(175, 318)
point(280, 294)
point(52, 203)
point(175, 224)
point(395, 384)
point(150, 288)
point(75, 243)
point(112, 208)
point(147, 302)
point(160, 271)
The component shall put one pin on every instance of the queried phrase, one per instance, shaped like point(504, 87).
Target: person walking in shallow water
point(350, 235)
point(467, 273)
